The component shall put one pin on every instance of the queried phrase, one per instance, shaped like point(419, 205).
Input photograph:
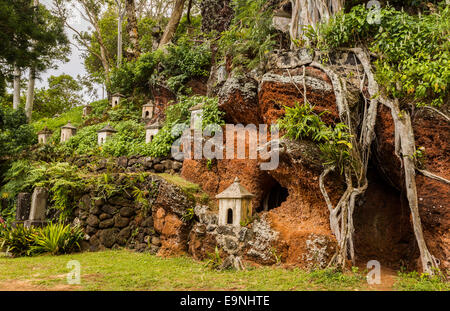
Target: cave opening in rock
point(383, 230)
point(273, 196)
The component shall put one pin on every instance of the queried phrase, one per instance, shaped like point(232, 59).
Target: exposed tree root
point(341, 216)
point(405, 150)
point(433, 176)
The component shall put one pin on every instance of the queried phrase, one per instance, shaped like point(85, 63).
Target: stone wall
point(155, 223)
point(125, 164)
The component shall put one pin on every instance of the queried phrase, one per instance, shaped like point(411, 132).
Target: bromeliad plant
point(57, 239)
point(54, 239)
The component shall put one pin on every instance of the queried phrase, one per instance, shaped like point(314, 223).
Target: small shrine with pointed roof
point(115, 99)
point(67, 131)
point(235, 204)
point(104, 133)
point(148, 111)
point(44, 135)
point(151, 130)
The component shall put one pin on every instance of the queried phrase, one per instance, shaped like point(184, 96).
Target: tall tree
point(31, 82)
point(174, 20)
point(90, 12)
point(29, 37)
point(133, 51)
point(121, 14)
point(16, 86)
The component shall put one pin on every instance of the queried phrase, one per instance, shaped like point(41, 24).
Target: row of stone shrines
point(68, 130)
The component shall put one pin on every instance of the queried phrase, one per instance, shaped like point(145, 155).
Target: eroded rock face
point(238, 98)
point(169, 208)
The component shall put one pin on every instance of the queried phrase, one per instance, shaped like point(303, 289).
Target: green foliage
point(17, 241)
point(250, 35)
point(176, 66)
point(420, 282)
point(61, 178)
point(136, 76)
point(129, 140)
point(183, 61)
point(53, 238)
point(177, 116)
point(74, 115)
point(215, 261)
point(189, 215)
point(99, 107)
point(84, 141)
point(126, 110)
point(15, 133)
point(57, 239)
point(62, 94)
point(300, 122)
point(14, 180)
point(30, 36)
point(414, 58)
point(63, 182)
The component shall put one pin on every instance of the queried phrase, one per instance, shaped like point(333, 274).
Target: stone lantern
point(235, 204)
point(196, 116)
point(148, 110)
point(151, 130)
point(67, 131)
point(115, 99)
point(87, 110)
point(104, 133)
point(44, 135)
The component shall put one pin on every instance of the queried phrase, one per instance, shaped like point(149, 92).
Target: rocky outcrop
point(238, 98)
point(383, 228)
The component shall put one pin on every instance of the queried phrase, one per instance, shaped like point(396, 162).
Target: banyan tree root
point(341, 216)
point(405, 149)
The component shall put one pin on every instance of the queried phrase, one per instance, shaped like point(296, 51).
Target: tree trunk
point(173, 23)
point(132, 29)
point(31, 83)
point(16, 83)
point(30, 94)
point(120, 17)
point(310, 13)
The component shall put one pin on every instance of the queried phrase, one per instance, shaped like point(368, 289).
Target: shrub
point(99, 107)
point(61, 178)
point(74, 115)
point(129, 140)
point(250, 35)
point(300, 122)
point(413, 51)
point(17, 241)
point(15, 133)
point(177, 116)
point(57, 239)
point(53, 238)
point(176, 65)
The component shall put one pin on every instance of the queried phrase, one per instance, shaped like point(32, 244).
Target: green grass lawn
point(126, 270)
